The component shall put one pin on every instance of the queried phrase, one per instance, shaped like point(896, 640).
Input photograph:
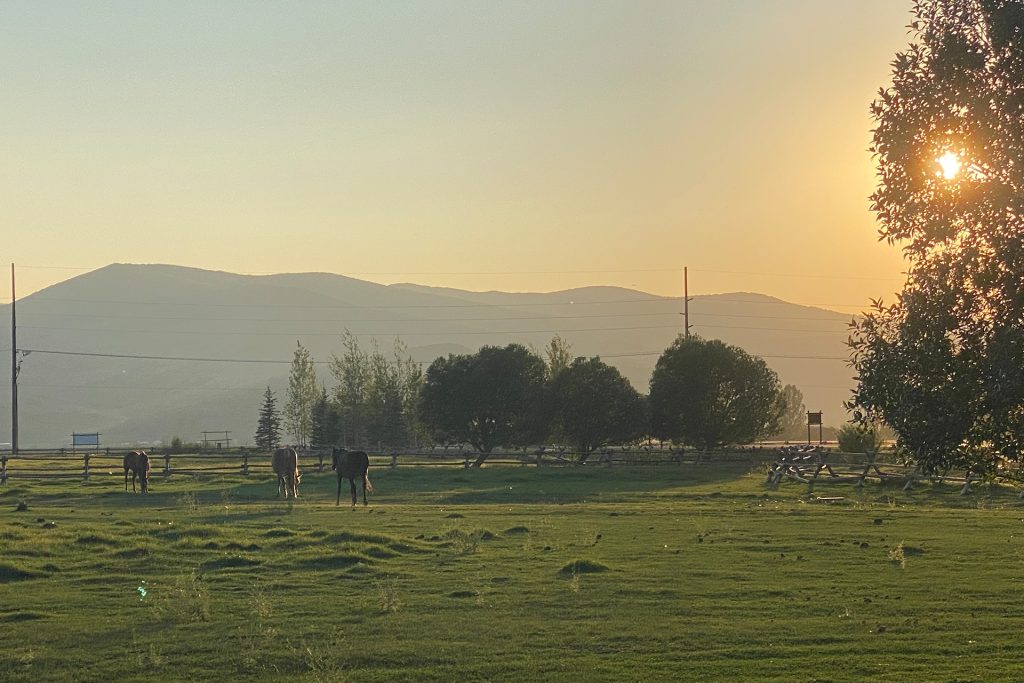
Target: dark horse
point(349, 465)
point(137, 462)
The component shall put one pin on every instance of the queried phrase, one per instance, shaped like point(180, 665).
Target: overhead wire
point(571, 302)
point(288, 362)
point(354, 334)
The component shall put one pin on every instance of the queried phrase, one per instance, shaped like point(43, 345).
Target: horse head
point(336, 455)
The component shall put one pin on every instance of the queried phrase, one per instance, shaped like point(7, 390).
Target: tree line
point(705, 394)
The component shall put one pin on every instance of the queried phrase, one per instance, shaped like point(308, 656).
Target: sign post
point(814, 419)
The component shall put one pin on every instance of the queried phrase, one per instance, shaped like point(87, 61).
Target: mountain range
point(104, 349)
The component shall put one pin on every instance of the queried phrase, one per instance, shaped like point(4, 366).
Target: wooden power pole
point(686, 304)
point(14, 368)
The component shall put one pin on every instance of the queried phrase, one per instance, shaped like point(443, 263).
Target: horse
point(349, 465)
point(137, 462)
point(286, 466)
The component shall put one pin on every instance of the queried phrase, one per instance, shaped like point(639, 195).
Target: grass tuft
point(581, 566)
point(229, 562)
point(10, 572)
point(278, 532)
point(335, 561)
point(22, 615)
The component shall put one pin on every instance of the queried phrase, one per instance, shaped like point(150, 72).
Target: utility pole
point(686, 304)
point(14, 368)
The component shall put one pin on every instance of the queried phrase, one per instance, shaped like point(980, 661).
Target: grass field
point(510, 573)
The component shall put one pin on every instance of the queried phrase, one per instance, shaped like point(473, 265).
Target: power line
point(665, 269)
point(571, 302)
point(361, 320)
point(149, 357)
point(763, 317)
point(771, 329)
point(288, 362)
point(719, 297)
point(760, 355)
point(354, 334)
point(348, 273)
point(802, 275)
point(137, 387)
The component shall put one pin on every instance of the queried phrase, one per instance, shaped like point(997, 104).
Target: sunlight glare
point(950, 164)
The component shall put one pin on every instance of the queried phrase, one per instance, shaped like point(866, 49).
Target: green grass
point(510, 573)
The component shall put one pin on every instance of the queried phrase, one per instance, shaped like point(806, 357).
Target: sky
point(517, 146)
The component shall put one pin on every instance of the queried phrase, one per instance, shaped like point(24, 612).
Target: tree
point(268, 428)
point(325, 430)
point(594, 405)
point(794, 413)
point(302, 395)
point(557, 355)
point(377, 396)
point(352, 371)
point(492, 398)
point(709, 394)
point(944, 365)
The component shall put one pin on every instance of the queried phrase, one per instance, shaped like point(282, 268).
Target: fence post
point(167, 464)
point(85, 469)
point(320, 463)
point(394, 460)
point(245, 463)
point(3, 469)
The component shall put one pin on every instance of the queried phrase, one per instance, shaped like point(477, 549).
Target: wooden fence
point(84, 465)
point(812, 465)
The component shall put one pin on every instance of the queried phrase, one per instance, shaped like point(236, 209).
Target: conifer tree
point(268, 429)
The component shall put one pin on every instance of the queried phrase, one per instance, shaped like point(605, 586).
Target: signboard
point(814, 419)
point(87, 439)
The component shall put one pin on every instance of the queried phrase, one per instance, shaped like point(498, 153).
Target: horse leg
point(337, 501)
point(364, 490)
point(352, 484)
point(126, 480)
point(295, 486)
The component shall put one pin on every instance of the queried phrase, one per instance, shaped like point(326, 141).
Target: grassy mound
point(580, 566)
point(10, 572)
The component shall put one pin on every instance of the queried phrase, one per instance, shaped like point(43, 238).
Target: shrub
point(858, 439)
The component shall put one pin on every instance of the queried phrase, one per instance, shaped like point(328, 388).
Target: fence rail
point(66, 463)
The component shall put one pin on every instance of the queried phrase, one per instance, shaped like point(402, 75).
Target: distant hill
point(169, 311)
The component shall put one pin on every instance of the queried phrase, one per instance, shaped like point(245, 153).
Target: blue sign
point(85, 439)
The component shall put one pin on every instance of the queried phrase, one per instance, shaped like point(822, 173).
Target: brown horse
point(286, 466)
point(349, 465)
point(137, 462)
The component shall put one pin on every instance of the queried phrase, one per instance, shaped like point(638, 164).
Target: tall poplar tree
point(302, 395)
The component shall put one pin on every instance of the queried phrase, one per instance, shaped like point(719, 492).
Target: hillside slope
point(171, 311)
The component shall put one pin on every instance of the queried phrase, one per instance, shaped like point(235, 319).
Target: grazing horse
point(137, 462)
point(286, 466)
point(349, 465)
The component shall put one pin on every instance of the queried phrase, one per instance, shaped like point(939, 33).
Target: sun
point(950, 164)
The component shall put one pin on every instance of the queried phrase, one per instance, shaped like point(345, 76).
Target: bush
point(858, 439)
